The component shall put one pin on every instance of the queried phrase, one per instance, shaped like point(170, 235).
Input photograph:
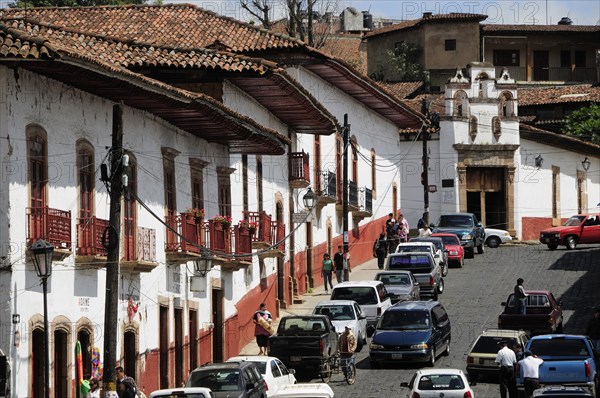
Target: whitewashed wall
point(68, 114)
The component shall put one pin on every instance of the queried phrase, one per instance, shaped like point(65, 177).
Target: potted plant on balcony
point(248, 225)
point(197, 213)
point(223, 220)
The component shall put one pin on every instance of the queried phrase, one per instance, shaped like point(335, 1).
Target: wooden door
point(130, 354)
point(164, 346)
point(179, 347)
point(217, 319)
point(129, 216)
point(37, 362)
point(61, 374)
point(541, 63)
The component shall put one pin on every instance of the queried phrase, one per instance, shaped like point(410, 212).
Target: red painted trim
point(531, 226)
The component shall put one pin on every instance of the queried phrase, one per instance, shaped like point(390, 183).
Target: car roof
point(185, 390)
point(406, 255)
point(413, 305)
point(503, 333)
point(394, 272)
point(357, 283)
point(222, 365)
point(416, 243)
point(436, 371)
point(250, 358)
point(335, 302)
point(458, 214)
point(441, 234)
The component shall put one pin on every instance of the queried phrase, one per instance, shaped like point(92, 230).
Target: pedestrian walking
point(338, 263)
point(530, 369)
point(380, 250)
point(593, 329)
point(518, 349)
point(262, 330)
point(327, 271)
point(391, 235)
point(507, 360)
point(403, 228)
point(520, 297)
point(126, 387)
point(346, 266)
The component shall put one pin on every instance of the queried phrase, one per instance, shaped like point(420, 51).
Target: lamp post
point(309, 199)
point(585, 164)
point(42, 259)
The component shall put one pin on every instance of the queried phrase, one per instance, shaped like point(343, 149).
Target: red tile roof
point(452, 17)
point(401, 90)
point(161, 25)
point(559, 94)
point(347, 48)
point(496, 28)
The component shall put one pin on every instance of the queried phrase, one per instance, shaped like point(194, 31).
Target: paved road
point(472, 299)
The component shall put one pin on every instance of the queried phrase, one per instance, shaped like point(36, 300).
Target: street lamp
point(203, 265)
point(309, 199)
point(586, 164)
point(539, 161)
point(42, 259)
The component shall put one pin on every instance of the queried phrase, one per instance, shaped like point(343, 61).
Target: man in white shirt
point(507, 359)
point(530, 368)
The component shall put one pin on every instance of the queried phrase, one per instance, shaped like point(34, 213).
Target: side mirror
point(404, 384)
point(479, 225)
point(416, 283)
point(292, 371)
point(362, 316)
point(432, 225)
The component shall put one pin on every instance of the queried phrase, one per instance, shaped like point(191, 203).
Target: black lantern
point(203, 265)
point(42, 258)
point(539, 161)
point(309, 199)
point(586, 164)
point(16, 319)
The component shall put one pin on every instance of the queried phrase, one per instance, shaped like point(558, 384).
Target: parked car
point(304, 340)
point(456, 253)
point(345, 313)
point(426, 270)
point(561, 392)
point(400, 285)
point(495, 237)
point(424, 247)
point(468, 229)
point(411, 331)
point(241, 379)
point(568, 360)
point(305, 390)
point(581, 228)
point(440, 248)
point(275, 373)
point(482, 355)
point(370, 295)
point(183, 392)
point(447, 383)
point(543, 313)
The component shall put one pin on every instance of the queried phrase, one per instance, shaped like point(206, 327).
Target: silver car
point(400, 285)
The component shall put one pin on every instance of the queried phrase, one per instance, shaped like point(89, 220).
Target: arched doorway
point(83, 336)
point(61, 364)
point(129, 353)
point(37, 360)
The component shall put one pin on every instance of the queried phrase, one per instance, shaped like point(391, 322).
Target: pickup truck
point(304, 341)
point(468, 229)
point(569, 360)
point(543, 314)
point(581, 228)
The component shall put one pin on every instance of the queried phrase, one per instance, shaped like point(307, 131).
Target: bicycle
point(336, 364)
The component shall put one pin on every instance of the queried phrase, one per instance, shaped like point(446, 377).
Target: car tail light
point(468, 395)
point(431, 281)
point(588, 370)
point(470, 360)
point(322, 345)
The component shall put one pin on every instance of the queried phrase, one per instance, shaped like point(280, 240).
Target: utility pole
point(425, 173)
point(345, 140)
point(112, 258)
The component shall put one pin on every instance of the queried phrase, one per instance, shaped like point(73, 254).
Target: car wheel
point(431, 361)
point(493, 242)
point(440, 288)
point(469, 253)
point(326, 372)
point(571, 242)
point(445, 269)
point(473, 377)
point(447, 351)
point(480, 248)
point(552, 246)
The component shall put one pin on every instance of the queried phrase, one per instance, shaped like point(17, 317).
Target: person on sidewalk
point(126, 386)
point(425, 232)
point(346, 267)
point(520, 297)
point(338, 262)
point(530, 366)
point(327, 271)
point(403, 227)
point(593, 329)
point(262, 330)
point(507, 360)
point(380, 250)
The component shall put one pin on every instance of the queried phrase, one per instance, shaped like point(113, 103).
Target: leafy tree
point(404, 61)
point(584, 123)
point(71, 3)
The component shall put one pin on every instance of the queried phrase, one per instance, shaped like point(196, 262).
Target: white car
point(305, 390)
point(275, 373)
point(494, 237)
point(345, 313)
point(183, 392)
point(370, 295)
point(440, 382)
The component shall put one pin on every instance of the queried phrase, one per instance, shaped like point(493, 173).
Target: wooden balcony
point(52, 225)
point(218, 241)
point(277, 246)
point(185, 245)
point(352, 198)
point(242, 249)
point(261, 238)
point(299, 170)
point(328, 190)
point(139, 255)
point(365, 205)
point(90, 249)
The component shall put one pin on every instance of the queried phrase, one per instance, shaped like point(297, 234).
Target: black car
point(240, 379)
point(468, 229)
point(411, 331)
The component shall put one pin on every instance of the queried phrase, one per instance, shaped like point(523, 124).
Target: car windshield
point(362, 295)
point(489, 344)
point(574, 221)
point(215, 379)
point(559, 347)
point(413, 249)
point(394, 279)
point(450, 240)
point(455, 221)
point(336, 312)
point(301, 326)
point(404, 320)
point(441, 382)
point(438, 243)
point(415, 263)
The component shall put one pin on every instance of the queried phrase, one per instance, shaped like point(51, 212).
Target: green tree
point(71, 3)
point(584, 123)
point(404, 61)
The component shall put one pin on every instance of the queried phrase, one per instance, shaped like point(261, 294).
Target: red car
point(581, 228)
point(456, 253)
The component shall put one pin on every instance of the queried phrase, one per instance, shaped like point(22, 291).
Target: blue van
point(411, 331)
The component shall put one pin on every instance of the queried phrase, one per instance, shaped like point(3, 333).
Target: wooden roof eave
point(559, 141)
